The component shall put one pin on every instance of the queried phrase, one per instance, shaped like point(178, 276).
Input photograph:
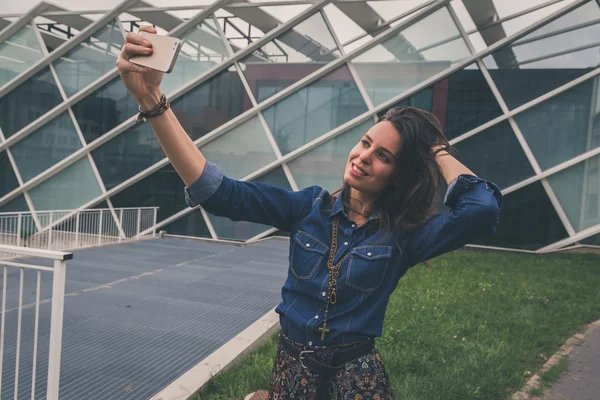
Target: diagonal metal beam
point(16, 26)
point(65, 47)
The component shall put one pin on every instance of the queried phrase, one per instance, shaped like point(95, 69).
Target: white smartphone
point(164, 54)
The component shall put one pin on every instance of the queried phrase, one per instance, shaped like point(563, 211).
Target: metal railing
point(64, 229)
point(14, 341)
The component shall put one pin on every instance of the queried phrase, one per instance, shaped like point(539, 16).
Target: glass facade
point(319, 84)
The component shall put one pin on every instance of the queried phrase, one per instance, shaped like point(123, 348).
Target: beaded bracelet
point(162, 106)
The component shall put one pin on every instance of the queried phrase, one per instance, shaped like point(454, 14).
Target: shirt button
point(310, 343)
point(354, 225)
point(323, 294)
point(345, 243)
point(307, 244)
point(369, 254)
point(316, 317)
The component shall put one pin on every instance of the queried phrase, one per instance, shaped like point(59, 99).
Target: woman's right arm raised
point(144, 85)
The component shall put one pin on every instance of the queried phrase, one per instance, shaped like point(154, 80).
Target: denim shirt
point(375, 263)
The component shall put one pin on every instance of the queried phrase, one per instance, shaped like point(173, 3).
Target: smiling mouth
point(358, 170)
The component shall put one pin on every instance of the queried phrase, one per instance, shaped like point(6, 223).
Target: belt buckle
point(302, 357)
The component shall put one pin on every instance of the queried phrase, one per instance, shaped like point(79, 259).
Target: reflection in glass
point(290, 57)
point(461, 102)
point(90, 60)
point(17, 53)
point(104, 109)
point(163, 189)
point(527, 221)
point(411, 56)
point(578, 191)
point(202, 49)
point(28, 101)
point(8, 180)
point(314, 110)
point(240, 151)
point(563, 126)
point(496, 155)
point(211, 104)
point(71, 188)
point(325, 165)
point(127, 154)
point(243, 230)
point(46, 146)
point(548, 57)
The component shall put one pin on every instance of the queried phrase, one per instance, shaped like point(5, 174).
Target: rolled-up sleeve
point(475, 208)
point(249, 201)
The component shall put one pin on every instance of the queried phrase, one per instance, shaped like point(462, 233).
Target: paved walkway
point(139, 315)
point(582, 380)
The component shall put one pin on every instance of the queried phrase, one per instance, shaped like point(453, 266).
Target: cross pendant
point(324, 330)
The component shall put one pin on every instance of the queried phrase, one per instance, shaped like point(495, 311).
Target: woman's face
point(372, 162)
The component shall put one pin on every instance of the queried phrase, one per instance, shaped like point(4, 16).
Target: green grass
point(475, 327)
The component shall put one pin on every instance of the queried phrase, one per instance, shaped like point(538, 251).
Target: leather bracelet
point(162, 106)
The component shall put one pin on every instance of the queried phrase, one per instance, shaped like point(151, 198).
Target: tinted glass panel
point(69, 189)
point(17, 204)
point(163, 189)
point(17, 53)
point(211, 104)
point(563, 126)
point(90, 60)
point(548, 57)
point(592, 240)
point(411, 56)
point(578, 191)
point(46, 146)
point(8, 180)
point(104, 109)
point(191, 225)
point(527, 221)
point(127, 154)
point(289, 57)
point(495, 154)
point(28, 102)
point(314, 110)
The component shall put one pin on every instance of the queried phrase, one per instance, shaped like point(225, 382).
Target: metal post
point(121, 223)
point(100, 229)
point(50, 230)
point(19, 227)
point(77, 229)
point(154, 222)
point(139, 221)
point(56, 328)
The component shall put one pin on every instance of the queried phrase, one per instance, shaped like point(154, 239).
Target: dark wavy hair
point(409, 201)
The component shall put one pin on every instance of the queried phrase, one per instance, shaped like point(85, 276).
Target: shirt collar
point(338, 207)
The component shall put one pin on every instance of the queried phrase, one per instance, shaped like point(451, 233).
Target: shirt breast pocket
point(307, 254)
point(367, 267)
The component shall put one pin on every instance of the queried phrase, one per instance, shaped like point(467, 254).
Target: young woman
point(349, 249)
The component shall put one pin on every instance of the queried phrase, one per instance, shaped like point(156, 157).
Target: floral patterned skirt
point(360, 379)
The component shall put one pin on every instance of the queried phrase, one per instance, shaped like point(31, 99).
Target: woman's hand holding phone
point(142, 82)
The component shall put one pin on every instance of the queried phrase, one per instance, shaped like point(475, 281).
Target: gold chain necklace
point(334, 273)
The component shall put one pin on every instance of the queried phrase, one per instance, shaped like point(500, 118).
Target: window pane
point(127, 154)
point(8, 180)
point(495, 154)
point(202, 49)
point(17, 53)
point(592, 240)
point(289, 57)
point(242, 150)
point(411, 56)
point(527, 221)
point(17, 204)
point(211, 104)
point(325, 165)
point(69, 189)
point(90, 60)
point(46, 146)
point(28, 102)
point(191, 225)
point(104, 109)
point(578, 191)
point(548, 57)
point(314, 110)
point(562, 127)
point(163, 189)
point(461, 102)
point(243, 230)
